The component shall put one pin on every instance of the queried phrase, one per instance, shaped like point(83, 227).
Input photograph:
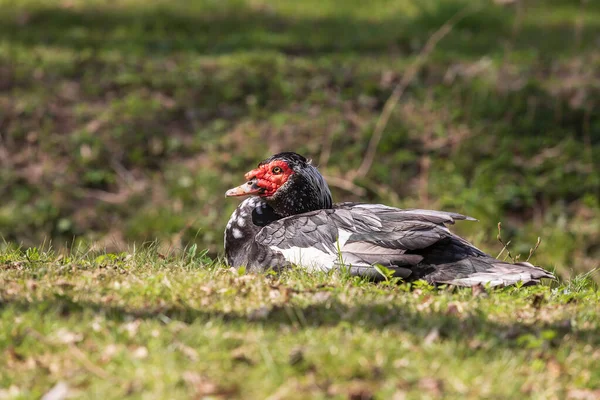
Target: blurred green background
point(124, 121)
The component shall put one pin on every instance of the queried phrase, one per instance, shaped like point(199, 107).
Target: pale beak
point(246, 189)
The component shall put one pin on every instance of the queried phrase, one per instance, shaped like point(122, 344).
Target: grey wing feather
point(310, 229)
point(391, 213)
point(364, 252)
point(380, 234)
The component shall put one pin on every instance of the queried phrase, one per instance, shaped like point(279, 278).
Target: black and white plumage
point(292, 221)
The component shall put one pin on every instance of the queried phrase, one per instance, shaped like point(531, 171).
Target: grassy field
point(154, 326)
point(125, 121)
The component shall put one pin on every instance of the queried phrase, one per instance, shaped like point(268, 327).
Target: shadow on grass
point(335, 314)
point(162, 30)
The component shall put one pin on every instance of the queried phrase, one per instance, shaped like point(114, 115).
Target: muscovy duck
point(290, 219)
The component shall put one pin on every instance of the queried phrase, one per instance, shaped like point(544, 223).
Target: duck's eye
point(277, 170)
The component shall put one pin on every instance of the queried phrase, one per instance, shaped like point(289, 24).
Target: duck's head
point(288, 182)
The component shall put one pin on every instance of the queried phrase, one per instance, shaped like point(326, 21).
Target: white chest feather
point(313, 259)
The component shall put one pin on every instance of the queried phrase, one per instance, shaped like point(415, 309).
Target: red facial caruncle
point(271, 176)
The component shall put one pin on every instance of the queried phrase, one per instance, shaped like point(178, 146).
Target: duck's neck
point(263, 214)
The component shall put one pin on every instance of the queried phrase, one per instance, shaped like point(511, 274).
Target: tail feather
point(473, 271)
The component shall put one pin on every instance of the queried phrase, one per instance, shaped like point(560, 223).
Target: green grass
point(125, 121)
point(152, 325)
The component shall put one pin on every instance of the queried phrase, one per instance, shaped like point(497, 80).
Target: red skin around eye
point(267, 180)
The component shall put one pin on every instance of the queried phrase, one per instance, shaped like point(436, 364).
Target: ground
point(125, 121)
point(152, 325)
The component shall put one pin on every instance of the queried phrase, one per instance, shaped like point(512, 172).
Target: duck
point(289, 220)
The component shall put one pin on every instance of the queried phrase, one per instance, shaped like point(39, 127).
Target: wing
point(358, 235)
